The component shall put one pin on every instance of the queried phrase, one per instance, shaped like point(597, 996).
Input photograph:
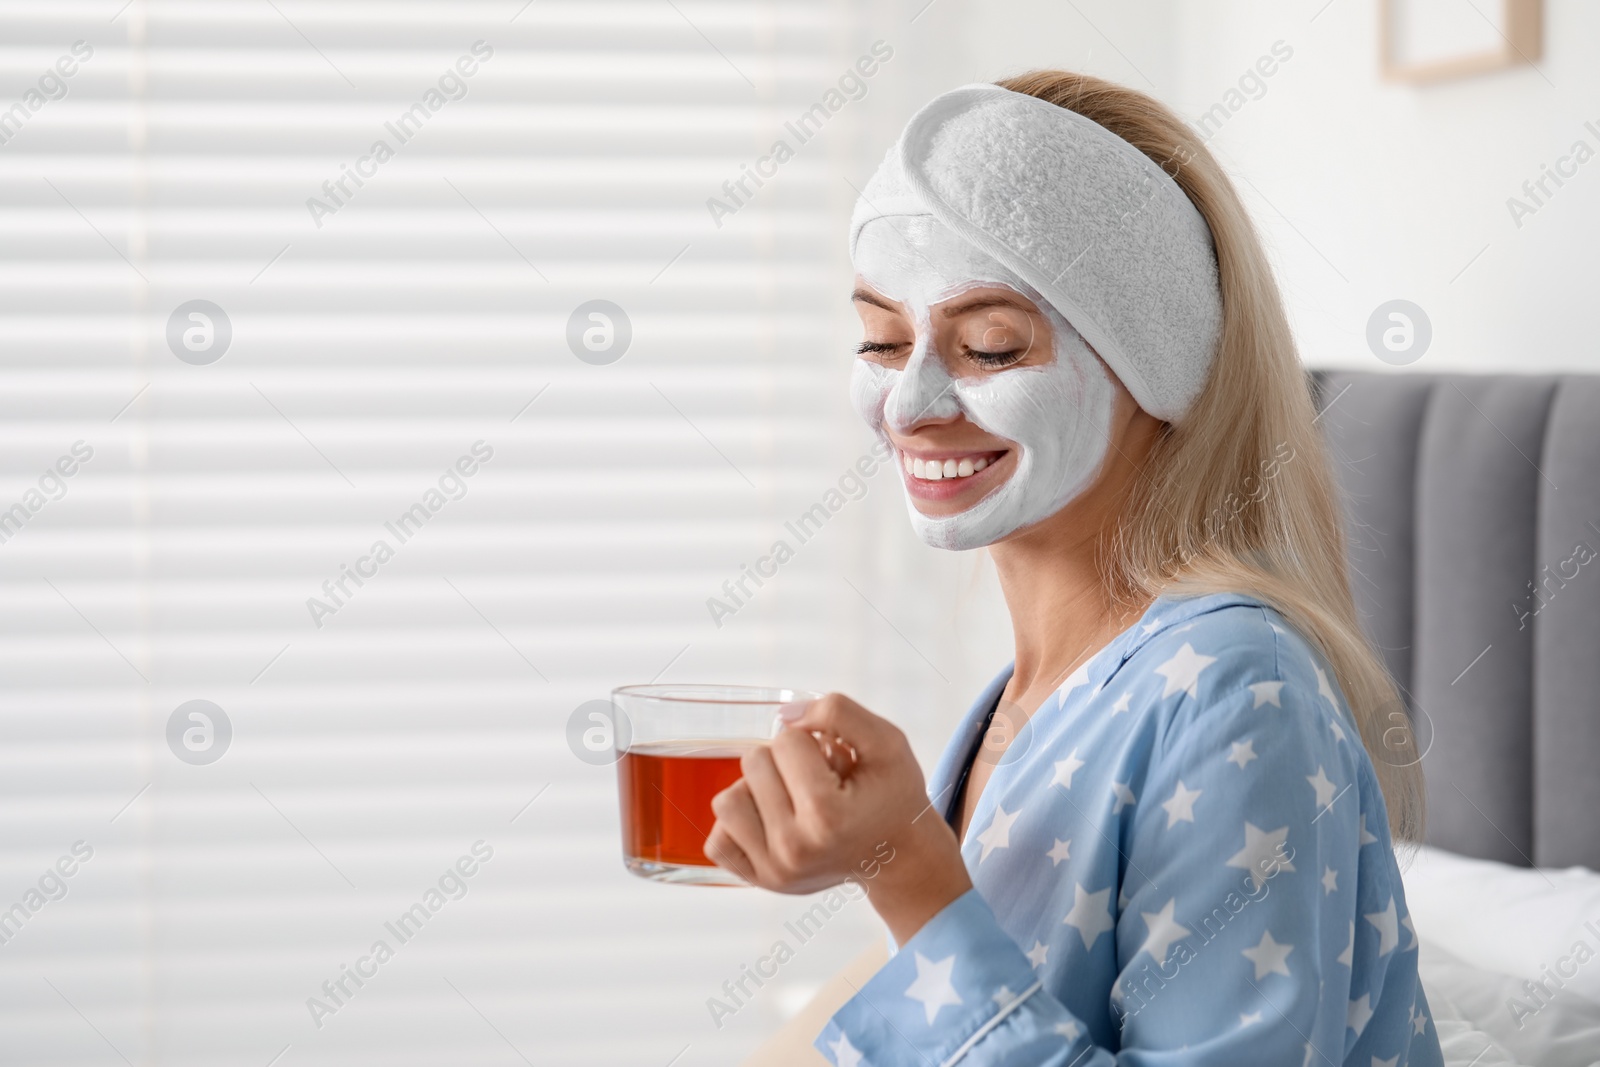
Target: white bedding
point(1509, 959)
point(1465, 1047)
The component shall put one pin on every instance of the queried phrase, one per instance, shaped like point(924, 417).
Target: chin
point(959, 531)
point(950, 538)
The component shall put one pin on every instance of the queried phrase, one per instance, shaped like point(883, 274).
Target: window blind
point(329, 500)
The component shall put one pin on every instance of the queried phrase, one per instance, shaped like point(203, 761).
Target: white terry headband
point(1085, 218)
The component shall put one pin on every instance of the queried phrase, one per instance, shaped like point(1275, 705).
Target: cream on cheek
point(870, 384)
point(1058, 414)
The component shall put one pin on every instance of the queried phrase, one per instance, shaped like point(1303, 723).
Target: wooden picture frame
point(1520, 41)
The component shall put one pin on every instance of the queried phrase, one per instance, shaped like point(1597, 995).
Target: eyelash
point(993, 360)
point(987, 360)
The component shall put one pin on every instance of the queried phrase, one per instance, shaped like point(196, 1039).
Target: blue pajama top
point(1183, 858)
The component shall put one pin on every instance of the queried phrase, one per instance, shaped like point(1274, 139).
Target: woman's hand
point(807, 816)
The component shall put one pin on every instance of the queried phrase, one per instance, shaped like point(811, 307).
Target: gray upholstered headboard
point(1474, 505)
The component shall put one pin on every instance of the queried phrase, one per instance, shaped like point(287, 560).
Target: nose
point(924, 393)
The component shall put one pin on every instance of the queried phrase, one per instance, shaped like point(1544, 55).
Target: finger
point(767, 789)
point(738, 817)
point(836, 715)
point(806, 769)
point(722, 850)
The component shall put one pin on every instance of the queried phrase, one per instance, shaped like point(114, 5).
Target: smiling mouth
point(935, 468)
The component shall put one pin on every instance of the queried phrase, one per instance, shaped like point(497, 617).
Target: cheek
point(1016, 404)
point(869, 391)
point(1043, 409)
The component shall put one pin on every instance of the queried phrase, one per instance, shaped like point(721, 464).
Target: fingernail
point(793, 712)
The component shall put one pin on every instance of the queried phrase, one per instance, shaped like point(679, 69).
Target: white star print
point(844, 1053)
point(1338, 731)
point(1269, 956)
point(1181, 807)
point(1243, 752)
point(1360, 1013)
point(1325, 789)
point(1347, 957)
point(1307, 1061)
point(1124, 797)
point(1121, 705)
point(1068, 1030)
point(1065, 769)
point(1248, 1020)
point(1122, 899)
point(1366, 837)
point(1419, 1020)
point(1003, 996)
point(1075, 679)
point(1182, 671)
point(1388, 927)
point(1324, 689)
point(1150, 628)
point(1267, 693)
point(1164, 930)
point(1062, 850)
point(1090, 914)
point(932, 986)
point(1406, 922)
point(1262, 849)
point(998, 835)
point(1330, 880)
point(1390, 1062)
point(1038, 954)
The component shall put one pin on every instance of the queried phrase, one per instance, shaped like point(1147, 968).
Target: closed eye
point(869, 348)
point(995, 360)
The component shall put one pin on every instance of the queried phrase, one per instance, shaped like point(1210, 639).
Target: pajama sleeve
point(1234, 943)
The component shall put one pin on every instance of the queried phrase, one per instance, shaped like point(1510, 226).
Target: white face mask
point(1058, 414)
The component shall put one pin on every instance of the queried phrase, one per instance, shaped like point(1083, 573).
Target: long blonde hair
point(1237, 496)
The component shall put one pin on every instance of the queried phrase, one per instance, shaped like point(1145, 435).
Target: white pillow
point(1540, 925)
point(1472, 1011)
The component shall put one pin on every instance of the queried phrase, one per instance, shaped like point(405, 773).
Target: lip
point(976, 485)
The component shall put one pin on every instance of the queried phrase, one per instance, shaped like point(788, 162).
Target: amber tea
point(680, 747)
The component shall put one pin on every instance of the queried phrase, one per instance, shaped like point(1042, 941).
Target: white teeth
point(934, 470)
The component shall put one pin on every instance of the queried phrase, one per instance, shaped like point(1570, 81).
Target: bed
point(1473, 504)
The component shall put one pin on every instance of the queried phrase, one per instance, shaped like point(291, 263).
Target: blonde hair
point(1186, 529)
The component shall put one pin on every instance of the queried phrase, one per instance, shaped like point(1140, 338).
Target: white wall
point(1398, 187)
point(1367, 191)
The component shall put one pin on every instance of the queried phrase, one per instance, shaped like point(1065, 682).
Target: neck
point(1062, 606)
point(1062, 609)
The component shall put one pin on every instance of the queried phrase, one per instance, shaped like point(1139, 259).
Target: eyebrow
point(988, 302)
point(866, 296)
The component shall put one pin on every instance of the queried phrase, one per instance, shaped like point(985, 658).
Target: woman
point(1157, 837)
